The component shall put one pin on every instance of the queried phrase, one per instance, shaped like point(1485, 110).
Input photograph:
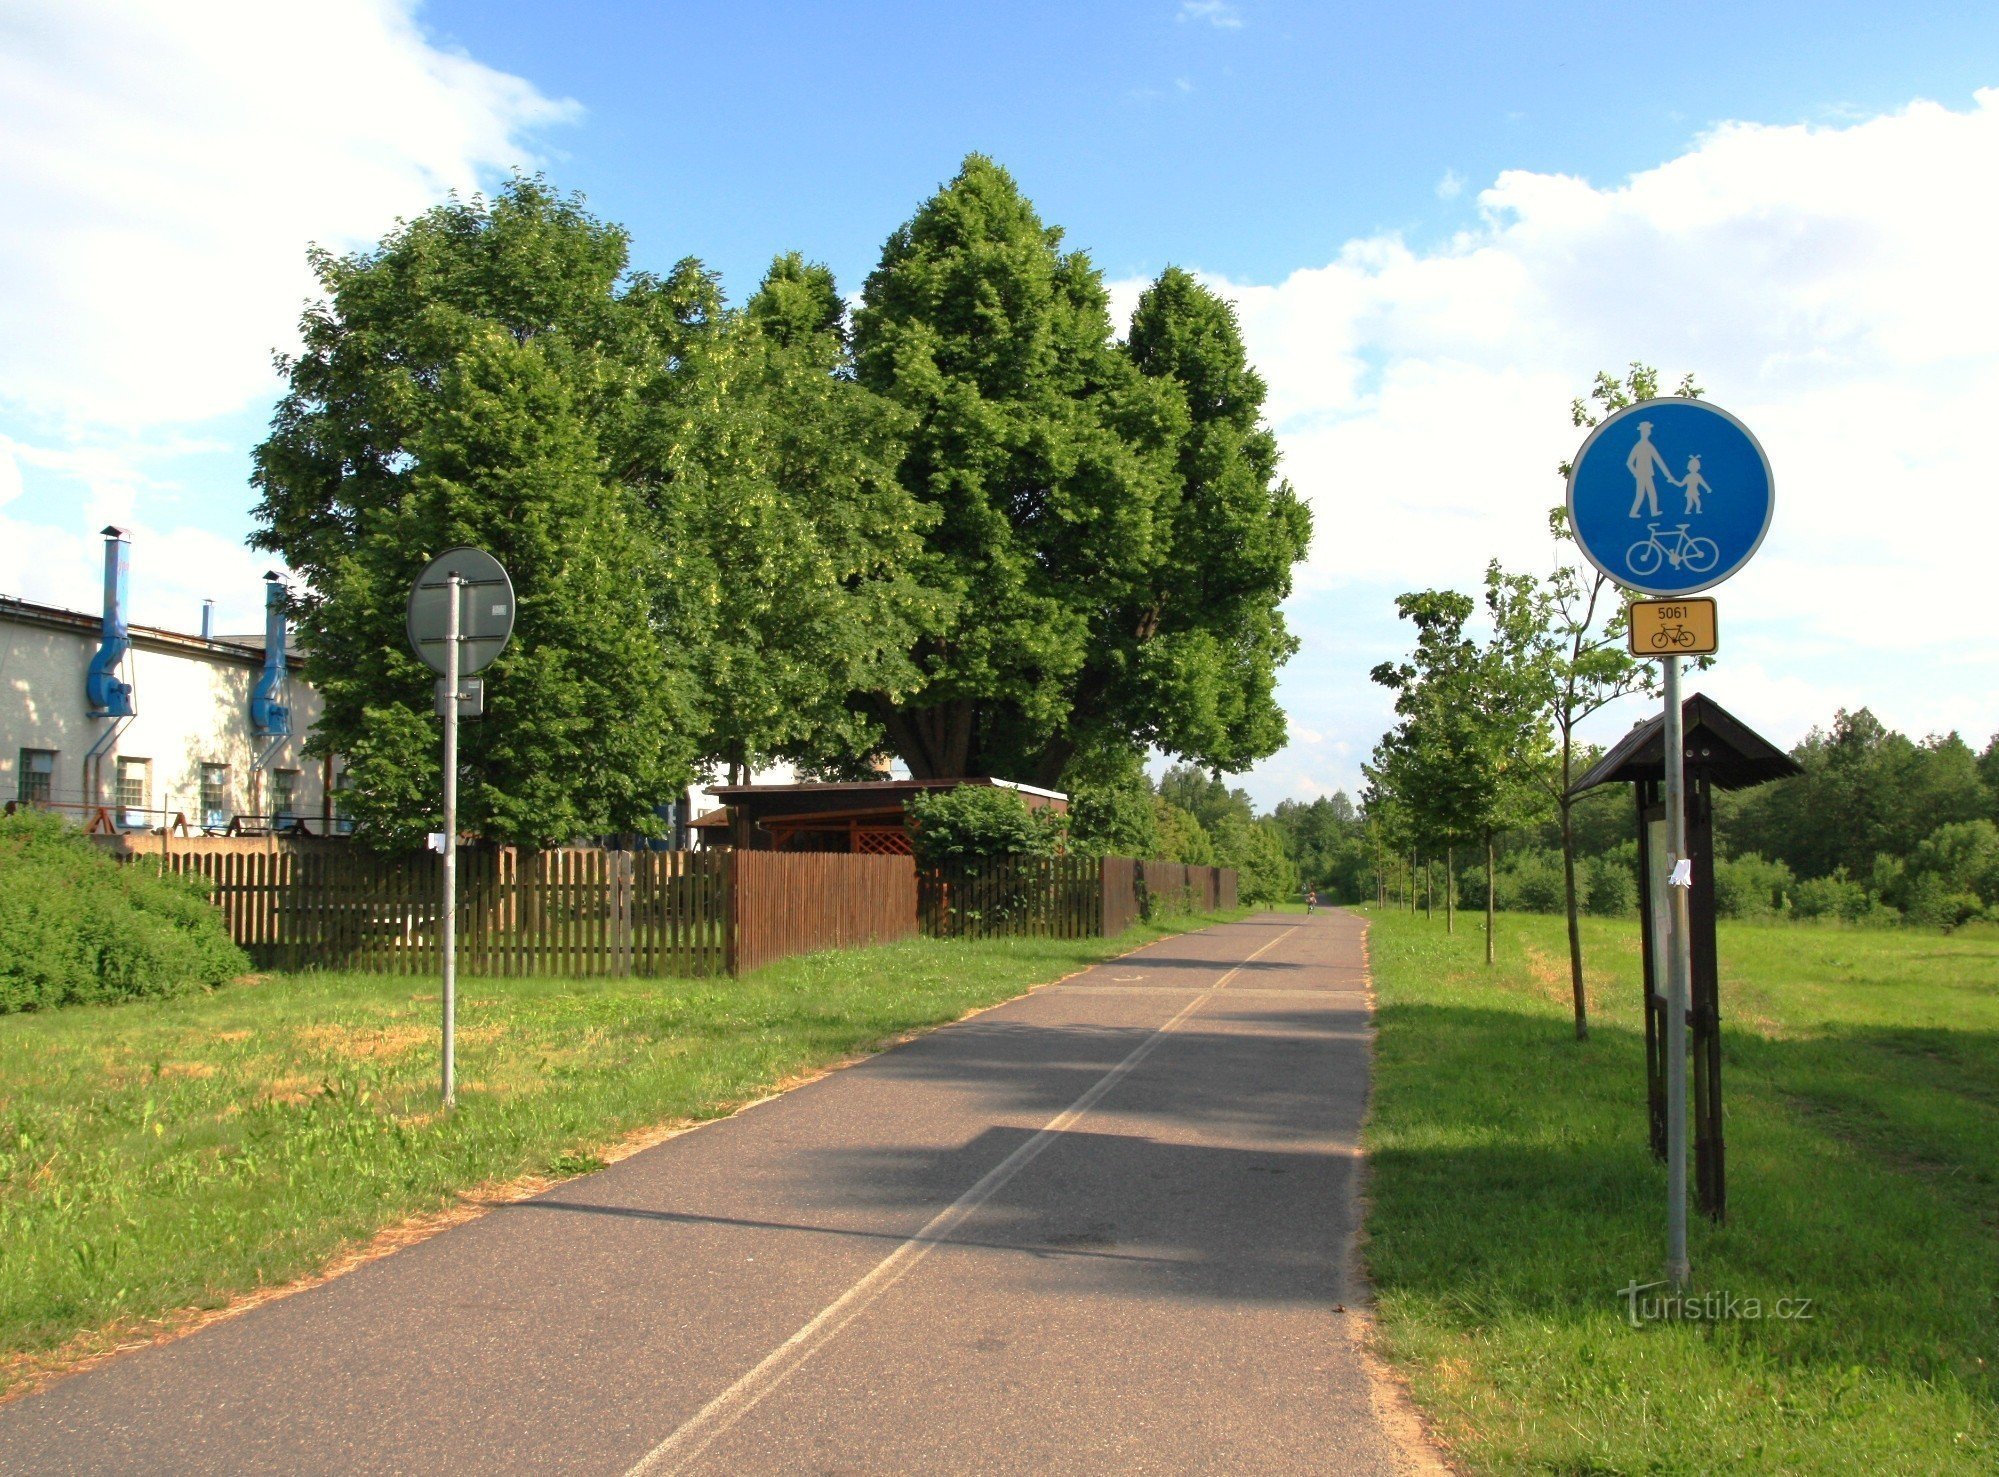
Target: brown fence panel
point(1032, 897)
point(1119, 908)
point(784, 903)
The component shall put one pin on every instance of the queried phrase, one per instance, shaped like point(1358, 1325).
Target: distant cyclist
point(1311, 900)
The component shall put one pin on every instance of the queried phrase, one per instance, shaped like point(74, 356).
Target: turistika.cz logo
point(1706, 1307)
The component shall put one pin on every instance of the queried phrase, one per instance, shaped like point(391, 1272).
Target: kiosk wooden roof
point(1726, 751)
point(864, 816)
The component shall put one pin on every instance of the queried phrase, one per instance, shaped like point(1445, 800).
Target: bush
point(1749, 886)
point(978, 823)
point(1931, 903)
point(1113, 820)
point(79, 927)
point(1837, 896)
point(1531, 882)
point(1609, 886)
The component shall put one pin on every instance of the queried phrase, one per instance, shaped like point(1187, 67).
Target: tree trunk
point(1412, 882)
point(1429, 894)
point(1575, 929)
point(1450, 887)
point(1491, 897)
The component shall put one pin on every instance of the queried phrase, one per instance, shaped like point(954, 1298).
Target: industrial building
point(131, 728)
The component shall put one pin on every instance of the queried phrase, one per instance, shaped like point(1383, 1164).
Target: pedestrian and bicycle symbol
point(1670, 496)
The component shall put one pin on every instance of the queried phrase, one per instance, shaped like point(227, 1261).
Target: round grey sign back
point(485, 609)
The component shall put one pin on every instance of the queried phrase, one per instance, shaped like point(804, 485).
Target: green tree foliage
point(79, 928)
point(771, 477)
point(978, 823)
point(1330, 843)
point(471, 381)
point(1468, 757)
point(1866, 791)
point(1265, 873)
point(1108, 550)
point(1112, 808)
point(1235, 836)
point(1182, 838)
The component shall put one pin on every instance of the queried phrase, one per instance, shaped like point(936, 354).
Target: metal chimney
point(208, 620)
point(269, 717)
point(110, 696)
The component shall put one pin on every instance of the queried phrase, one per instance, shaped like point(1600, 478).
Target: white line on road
point(707, 1424)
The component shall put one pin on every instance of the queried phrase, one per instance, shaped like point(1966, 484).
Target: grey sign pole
point(449, 941)
point(1673, 748)
point(461, 616)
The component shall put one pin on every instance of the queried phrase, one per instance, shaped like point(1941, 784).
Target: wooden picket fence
point(571, 912)
point(299, 904)
point(1065, 897)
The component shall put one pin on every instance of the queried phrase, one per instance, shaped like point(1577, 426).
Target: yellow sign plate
point(1683, 627)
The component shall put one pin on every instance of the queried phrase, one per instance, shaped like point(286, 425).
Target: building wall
point(193, 701)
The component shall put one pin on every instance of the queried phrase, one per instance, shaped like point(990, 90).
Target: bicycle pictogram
point(1679, 548)
point(1672, 636)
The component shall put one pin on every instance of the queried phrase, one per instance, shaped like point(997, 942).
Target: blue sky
point(1437, 221)
point(1243, 139)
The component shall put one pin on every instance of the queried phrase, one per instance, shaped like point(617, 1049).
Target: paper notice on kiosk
point(436, 841)
point(1683, 873)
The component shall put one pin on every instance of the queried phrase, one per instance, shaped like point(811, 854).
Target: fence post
point(731, 909)
point(621, 913)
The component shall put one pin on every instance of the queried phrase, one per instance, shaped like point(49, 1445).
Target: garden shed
point(865, 816)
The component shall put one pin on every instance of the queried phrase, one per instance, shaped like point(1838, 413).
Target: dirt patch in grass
point(366, 1043)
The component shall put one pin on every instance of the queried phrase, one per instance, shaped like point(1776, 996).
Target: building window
point(214, 796)
point(284, 796)
point(337, 803)
point(37, 777)
point(135, 789)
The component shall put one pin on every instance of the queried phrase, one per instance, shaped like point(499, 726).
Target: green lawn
point(167, 1156)
point(1514, 1194)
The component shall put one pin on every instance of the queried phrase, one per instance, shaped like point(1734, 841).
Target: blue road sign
point(1670, 496)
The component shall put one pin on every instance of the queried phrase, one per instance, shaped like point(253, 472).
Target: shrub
point(1837, 896)
point(977, 823)
point(79, 927)
point(1931, 903)
point(1113, 820)
point(1609, 886)
point(1750, 886)
point(1531, 882)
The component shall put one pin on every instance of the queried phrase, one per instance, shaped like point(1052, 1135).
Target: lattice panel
point(885, 841)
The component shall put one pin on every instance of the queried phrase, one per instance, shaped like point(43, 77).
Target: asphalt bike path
point(1106, 1226)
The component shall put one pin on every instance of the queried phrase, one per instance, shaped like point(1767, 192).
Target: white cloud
point(1217, 13)
point(1830, 285)
point(1451, 185)
point(166, 165)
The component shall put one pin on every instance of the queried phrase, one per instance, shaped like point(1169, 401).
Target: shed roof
point(1731, 753)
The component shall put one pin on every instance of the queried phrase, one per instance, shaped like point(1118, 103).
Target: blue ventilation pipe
point(270, 718)
point(109, 695)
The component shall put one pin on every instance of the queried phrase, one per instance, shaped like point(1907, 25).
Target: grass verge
point(1514, 1195)
point(162, 1158)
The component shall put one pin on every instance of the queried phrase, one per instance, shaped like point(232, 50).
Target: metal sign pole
point(1678, 981)
point(449, 941)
